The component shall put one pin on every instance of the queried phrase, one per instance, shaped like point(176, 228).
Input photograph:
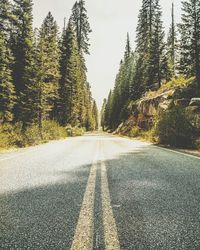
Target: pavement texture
point(99, 192)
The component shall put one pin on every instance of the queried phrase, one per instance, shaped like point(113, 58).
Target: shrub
point(11, 136)
point(134, 132)
point(173, 128)
point(53, 131)
point(15, 136)
point(32, 135)
point(74, 131)
point(78, 131)
point(197, 143)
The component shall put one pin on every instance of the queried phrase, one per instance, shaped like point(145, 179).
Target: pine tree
point(48, 56)
point(84, 93)
point(151, 59)
point(7, 91)
point(190, 39)
point(172, 45)
point(108, 110)
point(128, 50)
point(82, 26)
point(103, 109)
point(90, 123)
point(70, 78)
point(158, 66)
point(22, 48)
point(95, 115)
point(143, 42)
point(6, 16)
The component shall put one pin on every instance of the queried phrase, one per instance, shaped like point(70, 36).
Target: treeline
point(43, 75)
point(156, 59)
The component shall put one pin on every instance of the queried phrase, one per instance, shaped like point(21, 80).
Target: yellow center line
point(83, 239)
point(110, 228)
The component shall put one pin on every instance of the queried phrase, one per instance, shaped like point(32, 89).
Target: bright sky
point(110, 21)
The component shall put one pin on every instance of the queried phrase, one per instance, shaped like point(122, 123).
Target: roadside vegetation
point(157, 89)
point(14, 136)
point(43, 76)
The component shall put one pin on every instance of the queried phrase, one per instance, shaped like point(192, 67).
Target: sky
point(110, 21)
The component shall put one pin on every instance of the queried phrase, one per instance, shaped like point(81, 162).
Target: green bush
point(197, 143)
point(11, 136)
point(74, 131)
point(173, 128)
point(15, 136)
point(51, 130)
point(134, 132)
point(32, 136)
point(78, 131)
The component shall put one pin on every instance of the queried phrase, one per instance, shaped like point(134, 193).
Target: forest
point(44, 91)
point(157, 88)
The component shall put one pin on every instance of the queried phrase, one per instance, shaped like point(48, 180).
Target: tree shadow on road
point(43, 217)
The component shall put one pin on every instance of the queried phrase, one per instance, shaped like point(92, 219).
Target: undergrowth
point(14, 136)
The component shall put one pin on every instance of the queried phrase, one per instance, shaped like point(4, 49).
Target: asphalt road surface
point(99, 192)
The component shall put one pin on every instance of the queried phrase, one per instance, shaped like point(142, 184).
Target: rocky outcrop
point(144, 111)
point(193, 112)
point(195, 102)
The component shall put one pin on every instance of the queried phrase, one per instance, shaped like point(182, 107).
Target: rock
point(195, 102)
point(193, 113)
point(165, 105)
point(184, 102)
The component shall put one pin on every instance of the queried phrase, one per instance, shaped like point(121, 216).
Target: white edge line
point(178, 152)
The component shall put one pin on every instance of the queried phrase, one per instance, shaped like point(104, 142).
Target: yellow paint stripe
point(83, 239)
point(110, 229)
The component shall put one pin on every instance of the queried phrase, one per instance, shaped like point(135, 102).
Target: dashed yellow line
point(110, 229)
point(83, 239)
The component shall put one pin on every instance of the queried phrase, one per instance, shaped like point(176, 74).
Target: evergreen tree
point(128, 50)
point(90, 123)
point(7, 92)
point(172, 45)
point(22, 48)
point(151, 61)
point(84, 93)
point(95, 115)
point(108, 110)
point(70, 78)
point(158, 64)
point(103, 109)
point(48, 56)
point(6, 16)
point(82, 26)
point(190, 39)
point(123, 84)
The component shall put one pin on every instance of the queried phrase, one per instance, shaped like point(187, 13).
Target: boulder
point(184, 102)
point(195, 102)
point(193, 113)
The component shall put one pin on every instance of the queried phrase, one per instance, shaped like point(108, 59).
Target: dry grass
point(171, 85)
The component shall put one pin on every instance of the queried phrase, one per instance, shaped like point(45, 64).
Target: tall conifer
point(190, 39)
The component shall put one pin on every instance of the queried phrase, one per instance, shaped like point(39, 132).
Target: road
point(99, 192)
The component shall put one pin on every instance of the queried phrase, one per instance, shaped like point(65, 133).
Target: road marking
point(178, 152)
point(110, 228)
point(83, 239)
